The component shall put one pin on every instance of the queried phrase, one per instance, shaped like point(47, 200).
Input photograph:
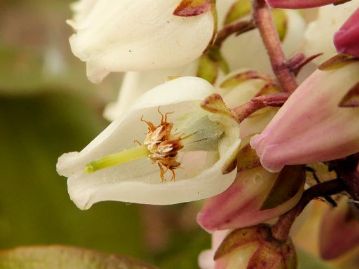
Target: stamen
point(121, 157)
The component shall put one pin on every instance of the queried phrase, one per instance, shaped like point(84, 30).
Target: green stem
point(121, 157)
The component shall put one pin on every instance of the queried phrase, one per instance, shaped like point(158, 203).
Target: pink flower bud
point(346, 40)
point(296, 4)
point(256, 196)
point(339, 230)
point(312, 126)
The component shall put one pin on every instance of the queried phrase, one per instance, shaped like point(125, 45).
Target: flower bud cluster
point(202, 104)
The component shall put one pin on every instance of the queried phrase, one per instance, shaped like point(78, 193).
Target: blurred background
point(48, 107)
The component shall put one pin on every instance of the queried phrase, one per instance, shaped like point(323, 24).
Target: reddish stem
point(281, 229)
point(238, 28)
point(263, 19)
point(273, 100)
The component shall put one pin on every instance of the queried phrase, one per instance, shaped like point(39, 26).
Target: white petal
point(136, 83)
point(138, 35)
point(139, 181)
point(319, 34)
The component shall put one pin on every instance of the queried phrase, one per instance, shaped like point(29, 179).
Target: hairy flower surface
point(312, 126)
point(135, 35)
point(186, 144)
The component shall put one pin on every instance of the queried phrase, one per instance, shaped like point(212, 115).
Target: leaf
point(190, 8)
point(238, 10)
point(62, 257)
point(290, 180)
point(281, 22)
point(351, 99)
point(336, 62)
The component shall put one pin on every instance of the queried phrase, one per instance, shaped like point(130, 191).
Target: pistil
point(118, 158)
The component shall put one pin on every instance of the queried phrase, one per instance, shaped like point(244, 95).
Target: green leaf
point(238, 10)
point(62, 257)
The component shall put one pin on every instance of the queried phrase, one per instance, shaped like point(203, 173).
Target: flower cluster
point(203, 112)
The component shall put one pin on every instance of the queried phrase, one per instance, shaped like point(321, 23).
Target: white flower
point(209, 143)
point(136, 35)
point(320, 33)
point(134, 84)
point(239, 51)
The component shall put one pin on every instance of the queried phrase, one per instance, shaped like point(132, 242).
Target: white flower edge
point(87, 189)
point(134, 84)
point(127, 35)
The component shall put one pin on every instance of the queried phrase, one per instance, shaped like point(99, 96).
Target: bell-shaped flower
point(313, 125)
point(133, 35)
point(136, 83)
point(339, 231)
point(346, 40)
point(254, 247)
point(179, 155)
point(256, 196)
point(319, 34)
point(296, 4)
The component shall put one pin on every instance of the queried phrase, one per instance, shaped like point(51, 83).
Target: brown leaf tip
point(190, 8)
point(337, 61)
